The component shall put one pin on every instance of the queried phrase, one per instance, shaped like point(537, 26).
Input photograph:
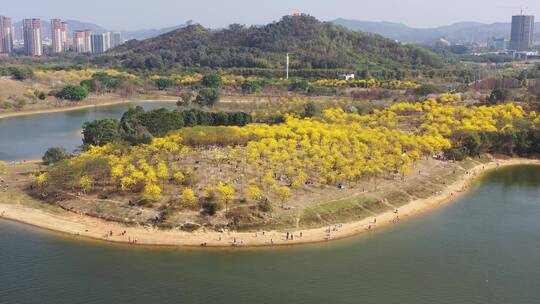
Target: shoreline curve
point(81, 226)
point(79, 107)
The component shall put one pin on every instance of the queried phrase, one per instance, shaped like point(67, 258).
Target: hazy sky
point(139, 14)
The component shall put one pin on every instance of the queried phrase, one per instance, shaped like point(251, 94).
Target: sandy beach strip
point(89, 227)
point(79, 107)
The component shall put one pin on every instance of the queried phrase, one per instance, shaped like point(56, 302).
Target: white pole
point(287, 65)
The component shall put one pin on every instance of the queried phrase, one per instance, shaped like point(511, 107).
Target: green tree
point(207, 97)
point(249, 87)
point(131, 128)
point(212, 80)
point(55, 154)
point(299, 85)
point(498, 95)
point(102, 82)
point(101, 132)
point(20, 103)
point(73, 93)
point(161, 121)
point(163, 83)
point(20, 73)
point(427, 89)
point(185, 99)
point(310, 109)
point(473, 144)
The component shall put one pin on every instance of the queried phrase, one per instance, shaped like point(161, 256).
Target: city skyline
point(163, 13)
point(99, 40)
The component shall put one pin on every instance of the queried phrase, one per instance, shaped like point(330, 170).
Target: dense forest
point(312, 44)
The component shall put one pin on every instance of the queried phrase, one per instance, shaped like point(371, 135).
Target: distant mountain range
point(75, 25)
point(458, 32)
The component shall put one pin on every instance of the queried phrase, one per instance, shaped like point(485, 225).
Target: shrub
point(185, 99)
point(20, 103)
point(55, 154)
point(40, 94)
point(457, 154)
point(249, 87)
point(210, 208)
point(103, 82)
point(498, 95)
point(5, 105)
point(163, 83)
point(207, 97)
point(20, 73)
point(264, 205)
point(212, 80)
point(310, 109)
point(299, 86)
point(73, 93)
point(427, 89)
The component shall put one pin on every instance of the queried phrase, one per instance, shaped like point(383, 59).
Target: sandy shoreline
point(80, 107)
point(84, 226)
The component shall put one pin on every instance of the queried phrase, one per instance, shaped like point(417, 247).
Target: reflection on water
point(528, 176)
point(28, 137)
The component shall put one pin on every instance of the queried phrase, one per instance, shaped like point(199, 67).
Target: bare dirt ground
point(361, 215)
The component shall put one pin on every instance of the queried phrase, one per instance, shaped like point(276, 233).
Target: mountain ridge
point(460, 32)
point(312, 44)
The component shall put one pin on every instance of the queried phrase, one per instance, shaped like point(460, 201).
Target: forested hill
point(311, 43)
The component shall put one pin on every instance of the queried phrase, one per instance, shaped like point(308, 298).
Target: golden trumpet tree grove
point(276, 161)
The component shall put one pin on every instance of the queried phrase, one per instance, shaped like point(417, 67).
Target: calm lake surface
point(484, 248)
point(28, 137)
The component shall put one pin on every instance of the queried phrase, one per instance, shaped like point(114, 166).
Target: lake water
point(28, 137)
point(484, 248)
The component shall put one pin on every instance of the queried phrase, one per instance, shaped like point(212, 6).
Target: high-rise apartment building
point(82, 41)
point(33, 44)
point(6, 35)
point(106, 41)
point(98, 43)
point(522, 33)
point(59, 36)
point(116, 39)
point(102, 42)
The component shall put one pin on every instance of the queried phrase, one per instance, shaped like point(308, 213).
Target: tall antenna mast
point(287, 65)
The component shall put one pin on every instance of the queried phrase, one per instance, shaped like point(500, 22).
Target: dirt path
point(84, 226)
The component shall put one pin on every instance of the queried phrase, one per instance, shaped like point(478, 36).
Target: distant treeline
point(523, 140)
point(138, 126)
